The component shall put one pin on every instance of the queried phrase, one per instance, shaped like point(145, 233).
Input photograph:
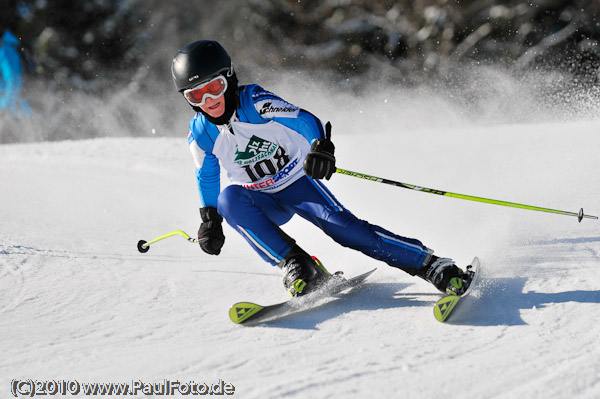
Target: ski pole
point(144, 246)
point(580, 215)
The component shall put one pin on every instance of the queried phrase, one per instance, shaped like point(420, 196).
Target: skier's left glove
point(320, 161)
point(210, 233)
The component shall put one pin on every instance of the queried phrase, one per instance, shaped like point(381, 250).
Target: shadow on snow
point(369, 296)
point(496, 301)
point(499, 301)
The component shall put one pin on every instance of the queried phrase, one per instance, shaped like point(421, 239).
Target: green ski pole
point(144, 246)
point(580, 215)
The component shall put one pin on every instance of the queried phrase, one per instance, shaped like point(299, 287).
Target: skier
point(275, 154)
point(11, 79)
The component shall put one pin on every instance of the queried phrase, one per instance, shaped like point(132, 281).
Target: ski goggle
point(213, 88)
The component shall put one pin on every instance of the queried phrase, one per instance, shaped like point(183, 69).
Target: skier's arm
point(306, 124)
point(209, 181)
point(210, 233)
point(208, 174)
point(320, 161)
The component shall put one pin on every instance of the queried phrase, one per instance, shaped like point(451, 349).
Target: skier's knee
point(229, 200)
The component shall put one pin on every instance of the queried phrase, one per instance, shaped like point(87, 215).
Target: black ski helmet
point(200, 61)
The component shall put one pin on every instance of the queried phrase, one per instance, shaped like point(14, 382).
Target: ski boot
point(302, 273)
point(447, 277)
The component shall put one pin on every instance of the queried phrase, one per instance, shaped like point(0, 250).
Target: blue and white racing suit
point(262, 149)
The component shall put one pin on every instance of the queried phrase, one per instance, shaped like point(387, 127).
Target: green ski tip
point(242, 311)
point(444, 307)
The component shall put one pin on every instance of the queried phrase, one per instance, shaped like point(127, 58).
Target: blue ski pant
point(257, 217)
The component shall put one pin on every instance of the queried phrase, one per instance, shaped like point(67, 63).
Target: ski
point(444, 307)
point(252, 313)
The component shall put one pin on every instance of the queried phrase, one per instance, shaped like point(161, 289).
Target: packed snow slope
point(79, 302)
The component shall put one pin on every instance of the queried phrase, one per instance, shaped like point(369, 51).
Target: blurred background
point(99, 68)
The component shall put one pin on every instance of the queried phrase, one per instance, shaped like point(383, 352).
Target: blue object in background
point(11, 79)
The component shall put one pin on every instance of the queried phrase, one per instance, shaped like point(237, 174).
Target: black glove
point(210, 233)
point(320, 162)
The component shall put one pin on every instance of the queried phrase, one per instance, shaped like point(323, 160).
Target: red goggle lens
point(213, 88)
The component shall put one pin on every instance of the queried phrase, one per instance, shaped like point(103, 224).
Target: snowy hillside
point(79, 302)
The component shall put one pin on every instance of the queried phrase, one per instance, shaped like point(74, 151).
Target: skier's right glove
point(210, 233)
point(320, 162)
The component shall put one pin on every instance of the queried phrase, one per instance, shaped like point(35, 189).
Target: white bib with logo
point(262, 157)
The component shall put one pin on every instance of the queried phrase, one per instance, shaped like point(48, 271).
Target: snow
point(79, 302)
